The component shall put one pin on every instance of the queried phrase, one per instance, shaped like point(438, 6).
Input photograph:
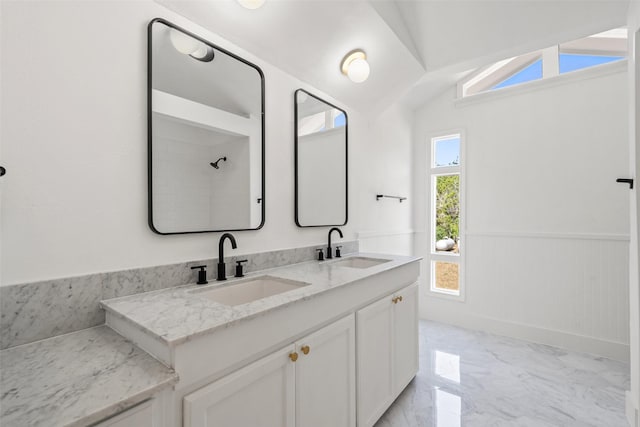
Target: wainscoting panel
point(566, 290)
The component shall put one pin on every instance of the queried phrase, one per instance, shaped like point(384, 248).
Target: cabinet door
point(261, 394)
point(326, 377)
point(405, 332)
point(374, 339)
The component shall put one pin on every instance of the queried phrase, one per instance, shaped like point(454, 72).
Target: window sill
point(448, 295)
point(446, 254)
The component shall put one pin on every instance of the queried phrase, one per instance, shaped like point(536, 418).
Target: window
point(592, 51)
point(446, 151)
point(446, 215)
point(321, 122)
point(571, 62)
point(531, 72)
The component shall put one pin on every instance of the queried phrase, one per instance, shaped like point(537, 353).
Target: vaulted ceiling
point(416, 49)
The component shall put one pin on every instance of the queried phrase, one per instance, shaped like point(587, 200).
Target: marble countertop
point(76, 379)
point(178, 314)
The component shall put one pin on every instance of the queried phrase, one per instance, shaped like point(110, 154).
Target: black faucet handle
point(202, 274)
point(338, 253)
point(320, 254)
point(239, 272)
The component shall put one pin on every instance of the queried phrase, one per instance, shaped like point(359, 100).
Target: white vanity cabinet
point(353, 332)
point(405, 334)
point(326, 376)
point(387, 348)
point(142, 415)
point(308, 383)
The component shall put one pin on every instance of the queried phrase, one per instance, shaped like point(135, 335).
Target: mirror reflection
point(321, 162)
point(206, 142)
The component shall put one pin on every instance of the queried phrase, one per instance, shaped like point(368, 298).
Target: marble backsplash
point(34, 311)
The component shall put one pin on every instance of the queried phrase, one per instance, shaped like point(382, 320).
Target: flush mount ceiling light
point(186, 44)
point(251, 4)
point(355, 66)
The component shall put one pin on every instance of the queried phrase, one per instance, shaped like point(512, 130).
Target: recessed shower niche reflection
point(206, 139)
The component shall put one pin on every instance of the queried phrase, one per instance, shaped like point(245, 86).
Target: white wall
point(633, 396)
point(547, 226)
point(385, 226)
point(74, 141)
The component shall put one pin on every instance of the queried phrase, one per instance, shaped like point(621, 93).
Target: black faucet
point(222, 270)
point(329, 251)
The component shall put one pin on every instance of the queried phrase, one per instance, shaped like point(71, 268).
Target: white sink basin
point(359, 262)
point(249, 290)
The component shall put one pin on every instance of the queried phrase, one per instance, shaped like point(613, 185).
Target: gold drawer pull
point(305, 349)
point(293, 356)
point(395, 300)
point(400, 298)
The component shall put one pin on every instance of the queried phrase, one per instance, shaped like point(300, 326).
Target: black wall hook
point(2, 171)
point(626, 181)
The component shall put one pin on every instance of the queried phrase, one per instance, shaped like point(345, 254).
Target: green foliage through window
point(447, 206)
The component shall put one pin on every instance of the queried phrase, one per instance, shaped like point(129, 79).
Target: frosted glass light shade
point(184, 43)
point(251, 4)
point(358, 70)
point(188, 45)
point(355, 66)
point(201, 52)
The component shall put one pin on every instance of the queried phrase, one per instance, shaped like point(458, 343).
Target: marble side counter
point(76, 379)
point(174, 316)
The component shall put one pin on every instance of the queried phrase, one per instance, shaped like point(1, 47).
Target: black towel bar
point(400, 199)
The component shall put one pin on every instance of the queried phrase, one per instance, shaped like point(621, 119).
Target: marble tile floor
point(475, 379)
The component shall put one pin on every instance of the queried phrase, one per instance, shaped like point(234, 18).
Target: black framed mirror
point(321, 162)
point(205, 135)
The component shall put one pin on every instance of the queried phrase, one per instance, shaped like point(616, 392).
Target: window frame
point(432, 173)
point(607, 43)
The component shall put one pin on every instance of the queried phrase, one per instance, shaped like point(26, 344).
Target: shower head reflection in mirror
point(205, 103)
point(215, 164)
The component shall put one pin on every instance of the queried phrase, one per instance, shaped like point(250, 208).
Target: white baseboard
point(584, 344)
point(632, 411)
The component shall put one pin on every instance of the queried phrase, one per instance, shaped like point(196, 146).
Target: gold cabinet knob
point(305, 349)
point(395, 300)
point(400, 298)
point(293, 356)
